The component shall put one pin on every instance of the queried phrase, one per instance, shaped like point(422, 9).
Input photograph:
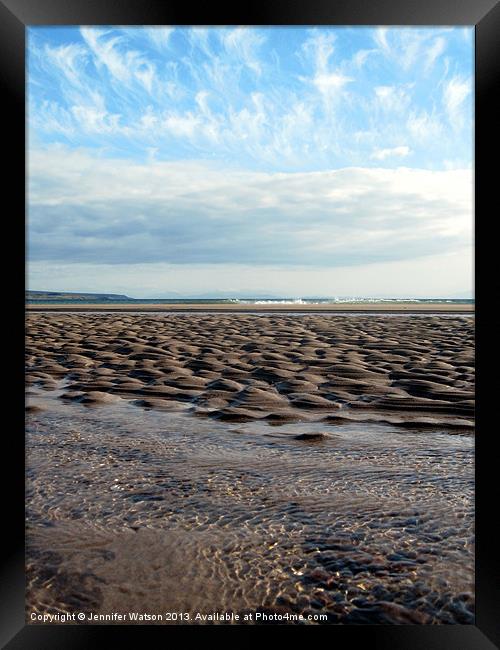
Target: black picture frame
point(15, 16)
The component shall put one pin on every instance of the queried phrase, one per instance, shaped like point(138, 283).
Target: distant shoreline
point(354, 307)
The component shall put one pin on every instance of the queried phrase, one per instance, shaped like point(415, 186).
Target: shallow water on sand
point(133, 510)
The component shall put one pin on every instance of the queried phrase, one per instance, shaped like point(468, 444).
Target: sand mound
point(237, 367)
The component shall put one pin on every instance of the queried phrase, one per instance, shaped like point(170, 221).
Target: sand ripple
point(405, 369)
point(317, 476)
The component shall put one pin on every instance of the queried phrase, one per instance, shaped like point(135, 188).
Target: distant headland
point(56, 296)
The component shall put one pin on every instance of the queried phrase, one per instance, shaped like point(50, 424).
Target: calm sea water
point(257, 301)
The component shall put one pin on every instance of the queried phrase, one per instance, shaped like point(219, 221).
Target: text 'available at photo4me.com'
point(174, 617)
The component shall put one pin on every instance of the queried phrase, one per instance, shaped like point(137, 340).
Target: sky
point(251, 161)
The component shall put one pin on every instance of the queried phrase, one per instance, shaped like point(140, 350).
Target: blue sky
point(292, 161)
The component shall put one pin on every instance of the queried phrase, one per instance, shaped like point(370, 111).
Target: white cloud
point(424, 126)
point(124, 65)
point(52, 118)
point(392, 98)
point(434, 52)
point(92, 119)
point(70, 59)
point(318, 49)
point(328, 80)
point(331, 82)
point(361, 56)
point(408, 47)
point(95, 209)
point(455, 92)
point(106, 53)
point(242, 44)
point(380, 38)
point(382, 154)
point(199, 38)
point(183, 125)
point(159, 36)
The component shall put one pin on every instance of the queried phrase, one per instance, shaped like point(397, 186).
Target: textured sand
point(406, 370)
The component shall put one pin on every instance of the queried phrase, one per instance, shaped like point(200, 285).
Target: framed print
point(253, 246)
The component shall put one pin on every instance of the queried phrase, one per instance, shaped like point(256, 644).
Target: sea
point(254, 301)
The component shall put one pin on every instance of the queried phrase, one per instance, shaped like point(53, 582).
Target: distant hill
point(55, 296)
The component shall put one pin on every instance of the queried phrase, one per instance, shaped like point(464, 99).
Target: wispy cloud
point(424, 126)
point(393, 98)
point(123, 65)
point(434, 52)
point(268, 98)
point(382, 154)
point(243, 45)
point(411, 47)
point(455, 92)
point(159, 37)
point(69, 59)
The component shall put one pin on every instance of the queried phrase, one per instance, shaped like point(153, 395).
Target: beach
point(300, 463)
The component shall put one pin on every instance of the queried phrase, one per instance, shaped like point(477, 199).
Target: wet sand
point(288, 464)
